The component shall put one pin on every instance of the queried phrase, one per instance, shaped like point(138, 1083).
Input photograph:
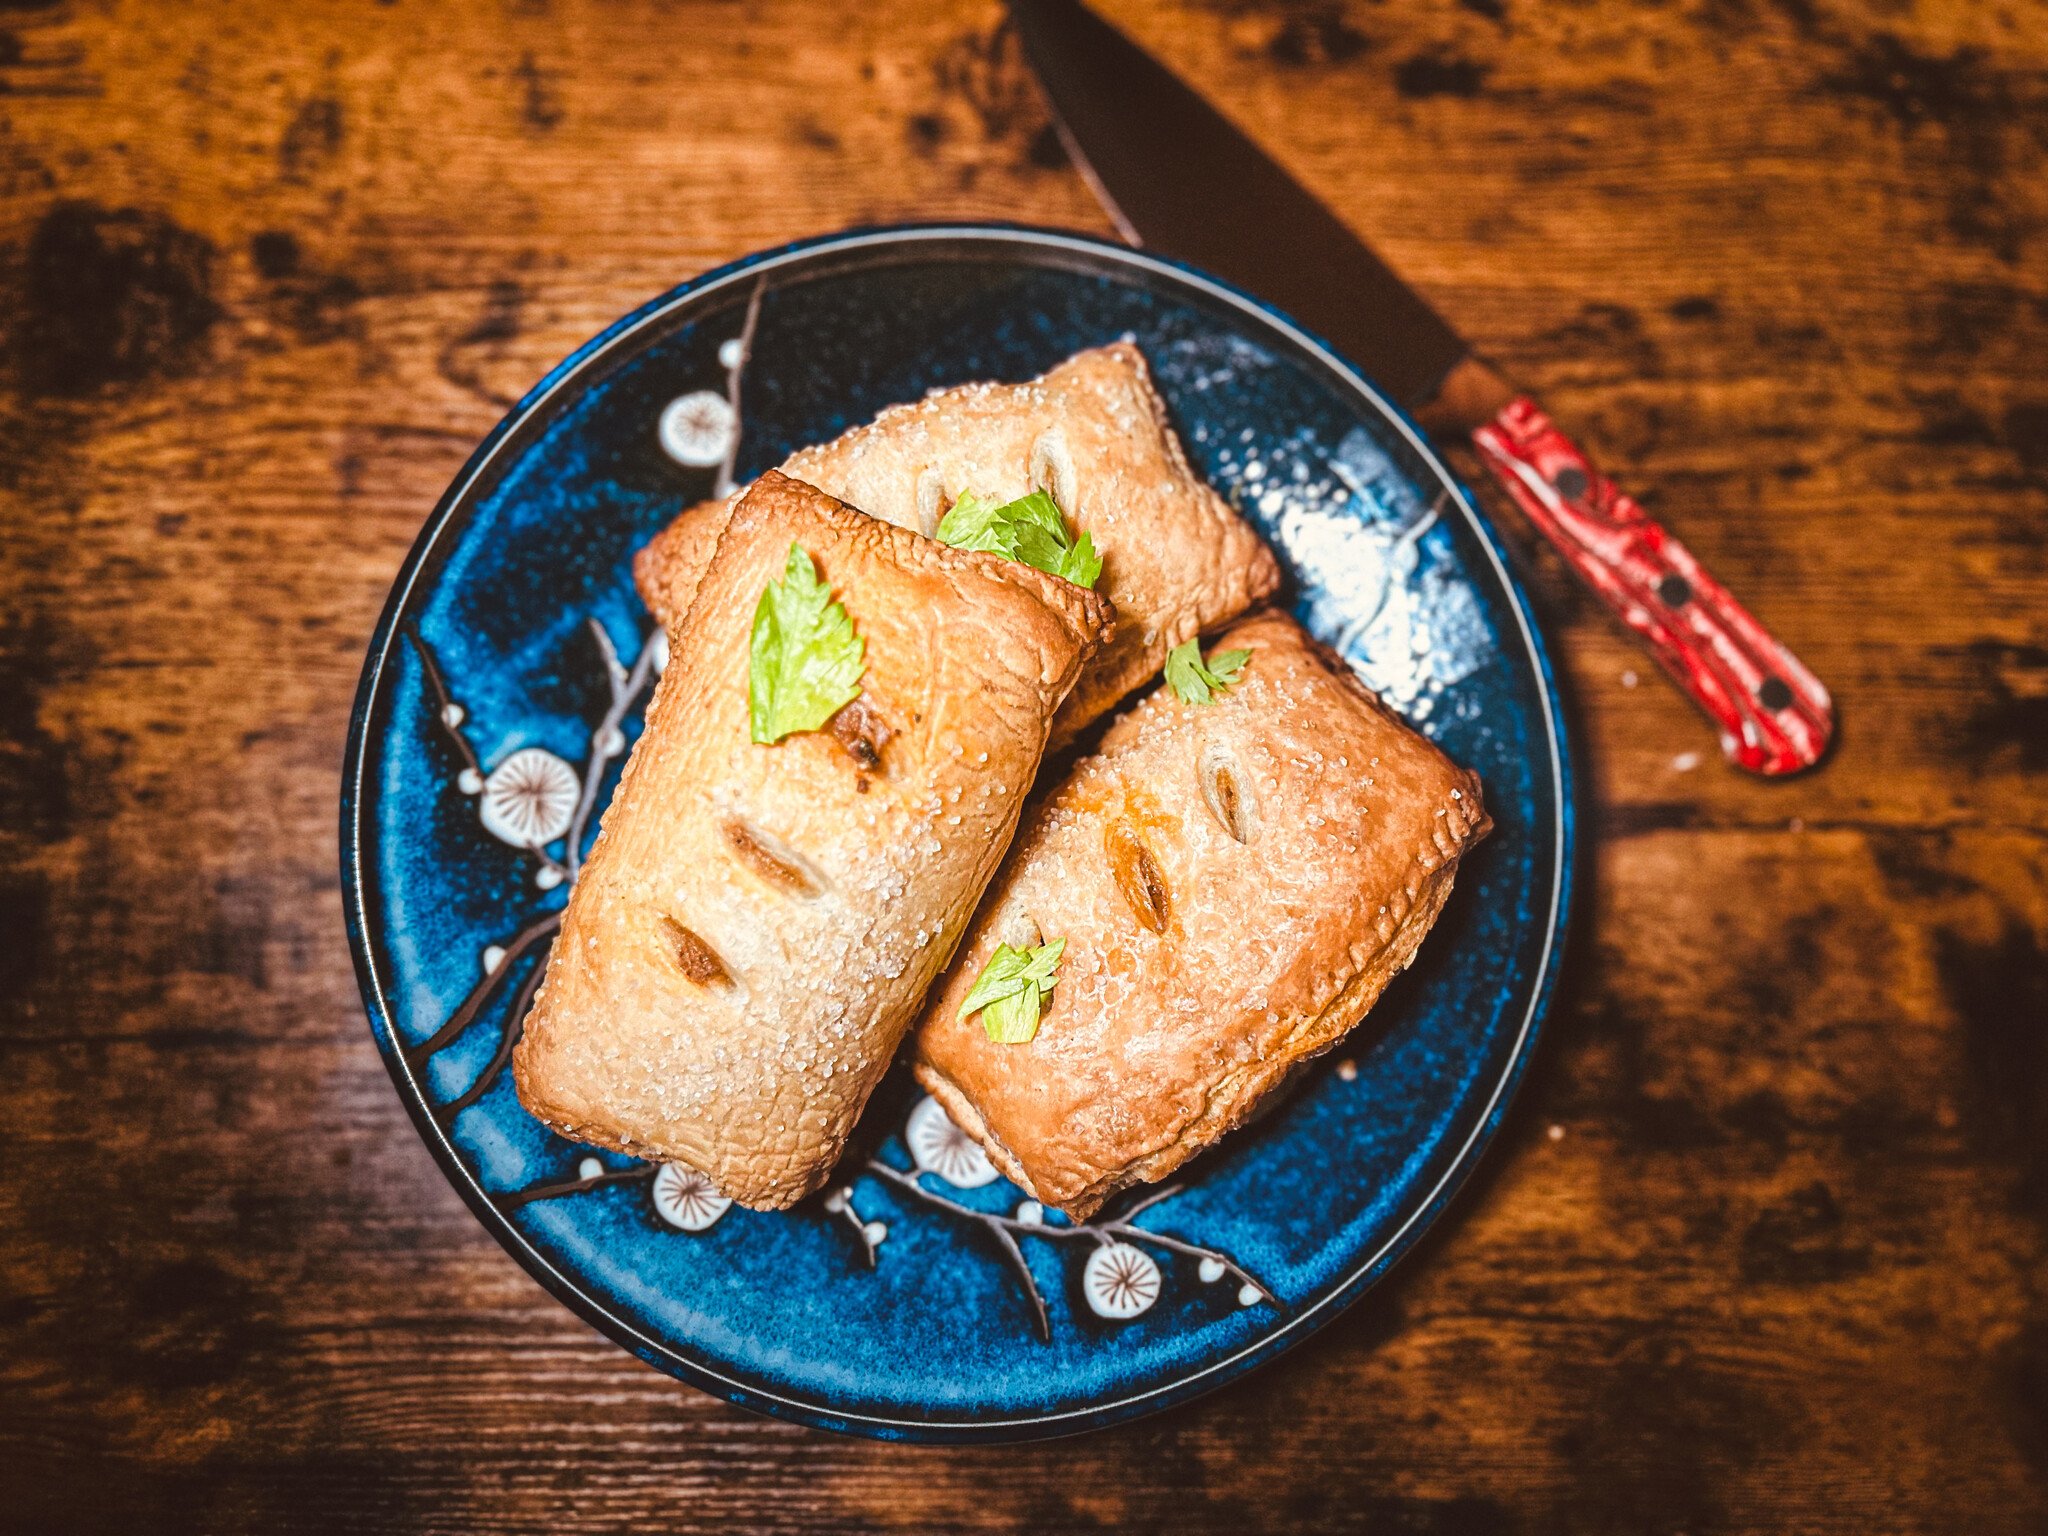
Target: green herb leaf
point(1029, 529)
point(969, 524)
point(1224, 666)
point(1197, 681)
point(1011, 990)
point(1081, 565)
point(806, 662)
point(1013, 1020)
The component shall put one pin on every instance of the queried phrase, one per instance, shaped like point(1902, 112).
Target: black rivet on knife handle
point(1571, 482)
point(1674, 591)
point(1774, 694)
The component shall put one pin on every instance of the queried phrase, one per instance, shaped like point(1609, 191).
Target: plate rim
point(1367, 1273)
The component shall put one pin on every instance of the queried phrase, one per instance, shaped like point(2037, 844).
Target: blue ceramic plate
point(503, 690)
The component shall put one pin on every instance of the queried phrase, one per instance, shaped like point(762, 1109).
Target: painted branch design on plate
point(533, 799)
point(1119, 1279)
point(541, 805)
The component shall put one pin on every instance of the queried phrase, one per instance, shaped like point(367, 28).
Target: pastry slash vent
point(1019, 930)
point(931, 501)
point(1227, 791)
point(770, 858)
point(699, 961)
point(1052, 468)
point(1138, 877)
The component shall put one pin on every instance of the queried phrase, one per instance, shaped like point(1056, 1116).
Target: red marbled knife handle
point(1773, 714)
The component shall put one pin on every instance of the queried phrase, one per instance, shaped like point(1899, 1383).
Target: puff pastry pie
point(1236, 884)
point(1177, 560)
point(756, 924)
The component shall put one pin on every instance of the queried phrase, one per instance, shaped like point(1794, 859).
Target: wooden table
point(1763, 1245)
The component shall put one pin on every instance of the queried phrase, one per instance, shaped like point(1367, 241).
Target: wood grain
point(1763, 1245)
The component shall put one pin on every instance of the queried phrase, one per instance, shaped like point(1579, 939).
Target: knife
point(1175, 176)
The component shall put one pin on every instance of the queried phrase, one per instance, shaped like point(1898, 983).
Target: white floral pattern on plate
point(686, 1199)
point(529, 799)
point(1120, 1282)
point(696, 429)
point(941, 1147)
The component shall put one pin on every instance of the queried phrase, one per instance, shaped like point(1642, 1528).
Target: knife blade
point(1176, 176)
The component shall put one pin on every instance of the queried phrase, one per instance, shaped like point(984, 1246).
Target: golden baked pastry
point(756, 924)
point(1177, 560)
point(1236, 884)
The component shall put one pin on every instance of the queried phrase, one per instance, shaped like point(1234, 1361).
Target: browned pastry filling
point(1227, 792)
point(860, 729)
point(699, 960)
point(767, 856)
